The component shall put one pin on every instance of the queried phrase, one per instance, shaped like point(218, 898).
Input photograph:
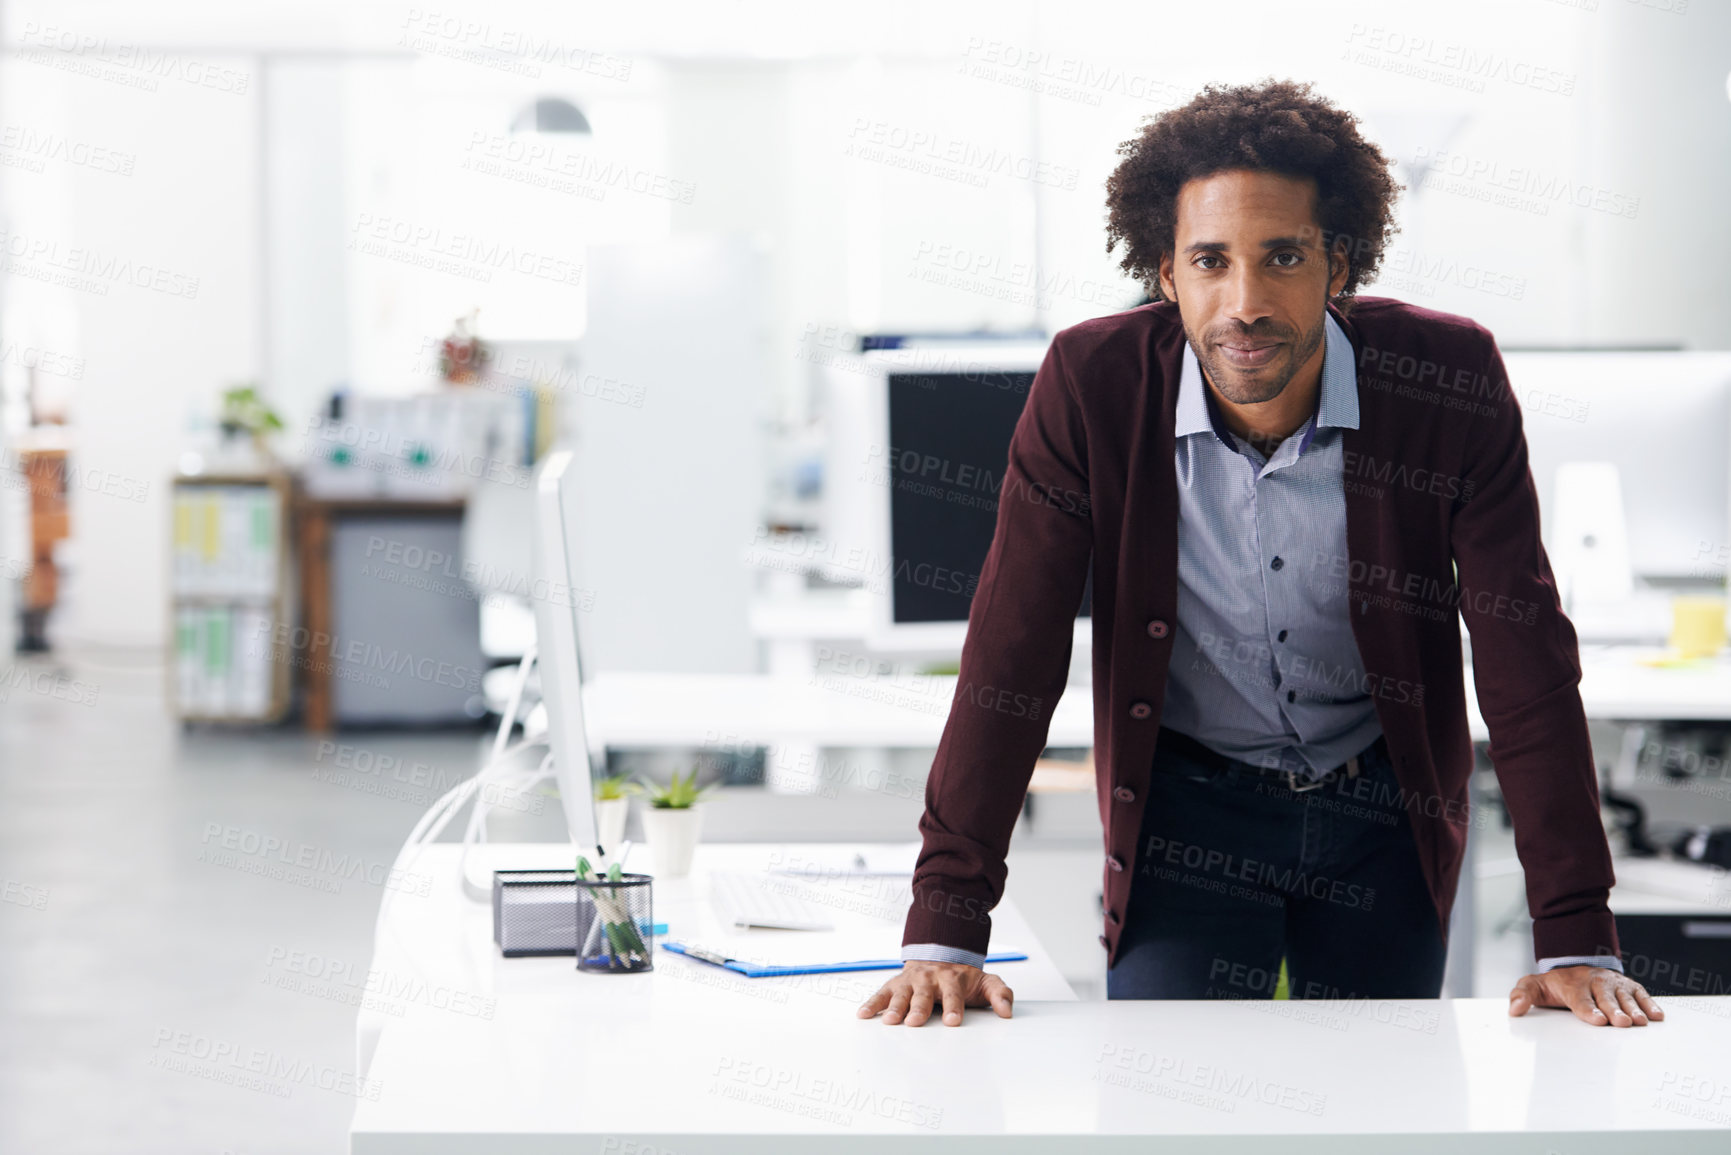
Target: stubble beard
point(1254, 388)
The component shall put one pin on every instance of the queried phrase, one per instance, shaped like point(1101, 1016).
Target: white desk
point(1665, 886)
point(692, 1059)
point(646, 709)
point(439, 948)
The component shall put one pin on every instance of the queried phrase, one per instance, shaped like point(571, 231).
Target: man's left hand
point(1597, 995)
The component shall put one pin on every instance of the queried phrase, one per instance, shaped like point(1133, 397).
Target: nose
point(1247, 299)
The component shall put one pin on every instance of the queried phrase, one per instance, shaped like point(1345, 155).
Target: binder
point(217, 655)
point(186, 642)
point(228, 556)
point(251, 666)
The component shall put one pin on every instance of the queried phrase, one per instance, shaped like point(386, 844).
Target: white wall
point(670, 484)
point(766, 112)
point(310, 314)
point(188, 209)
point(1659, 124)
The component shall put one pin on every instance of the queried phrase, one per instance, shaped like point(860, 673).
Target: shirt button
point(1158, 629)
point(1124, 794)
point(1276, 563)
point(1140, 709)
point(1282, 636)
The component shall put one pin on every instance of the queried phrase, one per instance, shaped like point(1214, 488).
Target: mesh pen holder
point(615, 923)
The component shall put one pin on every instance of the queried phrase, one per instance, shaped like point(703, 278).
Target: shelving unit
point(229, 594)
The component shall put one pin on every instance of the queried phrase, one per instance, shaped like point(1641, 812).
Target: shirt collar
point(1337, 396)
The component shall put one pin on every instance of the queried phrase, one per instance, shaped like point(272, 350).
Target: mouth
point(1249, 354)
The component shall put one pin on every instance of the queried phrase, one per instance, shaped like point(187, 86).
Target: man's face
point(1251, 279)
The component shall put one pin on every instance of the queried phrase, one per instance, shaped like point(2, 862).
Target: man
point(1288, 498)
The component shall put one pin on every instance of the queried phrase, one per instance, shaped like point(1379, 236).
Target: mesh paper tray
point(535, 912)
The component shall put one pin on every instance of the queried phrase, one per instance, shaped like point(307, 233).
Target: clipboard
point(763, 970)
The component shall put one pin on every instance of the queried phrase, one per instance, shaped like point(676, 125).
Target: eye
point(1297, 258)
point(1206, 257)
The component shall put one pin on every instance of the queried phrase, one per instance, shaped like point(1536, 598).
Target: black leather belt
point(1188, 747)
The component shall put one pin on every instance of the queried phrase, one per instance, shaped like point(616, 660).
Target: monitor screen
point(949, 442)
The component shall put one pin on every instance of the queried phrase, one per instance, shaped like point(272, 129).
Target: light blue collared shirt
point(1264, 666)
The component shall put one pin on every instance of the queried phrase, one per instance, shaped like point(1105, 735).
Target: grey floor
point(142, 952)
point(144, 977)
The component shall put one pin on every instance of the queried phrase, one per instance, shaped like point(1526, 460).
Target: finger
point(898, 1005)
point(880, 1000)
point(1605, 999)
point(950, 987)
point(921, 1006)
point(1626, 1000)
point(997, 995)
point(1654, 1011)
point(1525, 995)
point(1579, 999)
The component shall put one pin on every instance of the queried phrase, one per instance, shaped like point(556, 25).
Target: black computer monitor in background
point(949, 431)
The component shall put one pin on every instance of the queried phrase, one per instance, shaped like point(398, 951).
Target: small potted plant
point(612, 807)
point(673, 822)
point(463, 356)
point(247, 415)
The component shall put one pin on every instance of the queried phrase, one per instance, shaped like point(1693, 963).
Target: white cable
point(516, 701)
point(439, 814)
point(477, 828)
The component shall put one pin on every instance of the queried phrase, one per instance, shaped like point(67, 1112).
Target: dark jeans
point(1234, 870)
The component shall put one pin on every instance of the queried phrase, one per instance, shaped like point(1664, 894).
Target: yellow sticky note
point(1697, 626)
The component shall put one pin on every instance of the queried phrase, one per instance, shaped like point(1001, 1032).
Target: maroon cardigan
point(1437, 484)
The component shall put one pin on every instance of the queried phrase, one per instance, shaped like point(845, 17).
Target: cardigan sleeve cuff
point(959, 922)
point(1587, 934)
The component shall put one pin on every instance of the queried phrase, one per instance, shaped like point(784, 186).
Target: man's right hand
point(910, 995)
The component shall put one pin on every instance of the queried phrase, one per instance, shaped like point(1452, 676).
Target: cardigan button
point(1124, 794)
point(1158, 629)
point(1112, 917)
point(1105, 943)
point(1140, 709)
point(1116, 863)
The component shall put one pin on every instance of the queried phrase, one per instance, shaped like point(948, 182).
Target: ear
point(1167, 287)
point(1338, 266)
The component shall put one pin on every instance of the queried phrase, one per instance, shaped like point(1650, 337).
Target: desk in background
point(1616, 686)
point(383, 579)
point(626, 710)
point(629, 709)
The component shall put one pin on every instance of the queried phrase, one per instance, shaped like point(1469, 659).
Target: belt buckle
point(1292, 782)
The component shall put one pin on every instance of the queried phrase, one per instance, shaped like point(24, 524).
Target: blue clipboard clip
point(762, 970)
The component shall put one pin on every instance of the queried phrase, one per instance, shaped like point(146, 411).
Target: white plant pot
point(672, 836)
point(610, 816)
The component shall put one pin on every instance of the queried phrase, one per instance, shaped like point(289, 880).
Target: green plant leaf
point(681, 793)
point(616, 786)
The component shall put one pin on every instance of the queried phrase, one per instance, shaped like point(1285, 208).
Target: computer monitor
point(1664, 420)
point(556, 648)
point(916, 472)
